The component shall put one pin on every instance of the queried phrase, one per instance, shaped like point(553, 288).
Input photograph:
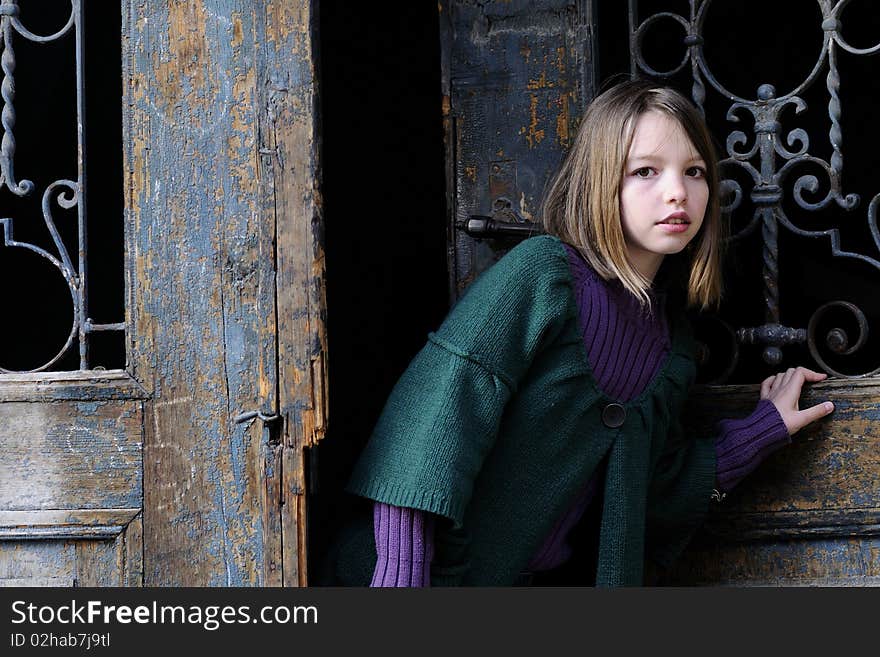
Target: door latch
point(250, 415)
point(272, 423)
point(503, 222)
point(482, 226)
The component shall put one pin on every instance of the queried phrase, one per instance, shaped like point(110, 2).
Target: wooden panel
point(65, 386)
point(293, 172)
point(810, 514)
point(70, 454)
point(37, 563)
point(83, 562)
point(819, 562)
point(516, 77)
point(133, 553)
point(221, 195)
point(71, 479)
point(99, 563)
point(66, 523)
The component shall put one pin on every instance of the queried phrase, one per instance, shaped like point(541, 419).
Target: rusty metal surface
point(225, 281)
point(516, 77)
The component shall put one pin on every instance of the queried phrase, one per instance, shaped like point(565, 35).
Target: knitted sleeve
point(744, 443)
point(404, 546)
point(442, 417)
point(687, 472)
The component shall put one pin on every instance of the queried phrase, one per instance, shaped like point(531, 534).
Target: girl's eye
point(696, 172)
point(644, 172)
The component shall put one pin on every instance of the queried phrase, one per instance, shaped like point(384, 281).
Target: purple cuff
point(743, 444)
point(404, 546)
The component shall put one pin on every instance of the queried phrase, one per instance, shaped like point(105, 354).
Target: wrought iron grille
point(68, 194)
point(762, 170)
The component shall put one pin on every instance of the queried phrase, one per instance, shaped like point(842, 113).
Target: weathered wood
point(821, 562)
point(65, 523)
point(99, 563)
point(133, 570)
point(516, 77)
point(81, 562)
point(810, 514)
point(293, 171)
point(833, 464)
point(71, 477)
point(37, 563)
point(221, 200)
point(273, 544)
point(61, 386)
point(60, 454)
point(294, 518)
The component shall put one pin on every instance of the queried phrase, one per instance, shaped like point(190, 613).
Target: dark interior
point(384, 213)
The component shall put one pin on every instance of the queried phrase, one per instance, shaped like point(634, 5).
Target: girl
point(554, 386)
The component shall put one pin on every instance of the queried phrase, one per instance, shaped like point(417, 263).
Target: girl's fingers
point(796, 375)
point(788, 384)
point(777, 381)
point(810, 375)
point(813, 413)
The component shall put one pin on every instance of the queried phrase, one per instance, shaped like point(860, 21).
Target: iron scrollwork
point(68, 194)
point(778, 155)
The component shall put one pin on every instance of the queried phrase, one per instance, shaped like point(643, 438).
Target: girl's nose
point(675, 190)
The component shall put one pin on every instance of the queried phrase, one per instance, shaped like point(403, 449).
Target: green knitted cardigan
point(496, 425)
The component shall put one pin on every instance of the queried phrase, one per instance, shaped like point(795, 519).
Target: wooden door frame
point(225, 279)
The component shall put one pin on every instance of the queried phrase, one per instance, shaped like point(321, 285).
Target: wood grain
point(225, 277)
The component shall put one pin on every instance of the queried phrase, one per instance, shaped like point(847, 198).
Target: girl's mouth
point(674, 227)
point(676, 218)
point(676, 222)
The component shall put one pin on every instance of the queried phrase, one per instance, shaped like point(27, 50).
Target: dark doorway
point(384, 209)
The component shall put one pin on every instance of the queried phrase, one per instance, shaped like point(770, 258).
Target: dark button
point(613, 415)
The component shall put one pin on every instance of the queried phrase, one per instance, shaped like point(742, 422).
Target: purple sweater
point(625, 348)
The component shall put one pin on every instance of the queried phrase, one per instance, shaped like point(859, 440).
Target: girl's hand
point(784, 389)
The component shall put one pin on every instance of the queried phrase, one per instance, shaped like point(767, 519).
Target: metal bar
point(90, 327)
point(482, 226)
point(81, 185)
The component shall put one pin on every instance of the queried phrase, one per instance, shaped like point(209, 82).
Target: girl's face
point(663, 194)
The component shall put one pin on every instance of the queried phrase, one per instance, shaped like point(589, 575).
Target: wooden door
point(518, 76)
point(186, 467)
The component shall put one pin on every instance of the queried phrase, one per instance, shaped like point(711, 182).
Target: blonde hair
point(582, 205)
